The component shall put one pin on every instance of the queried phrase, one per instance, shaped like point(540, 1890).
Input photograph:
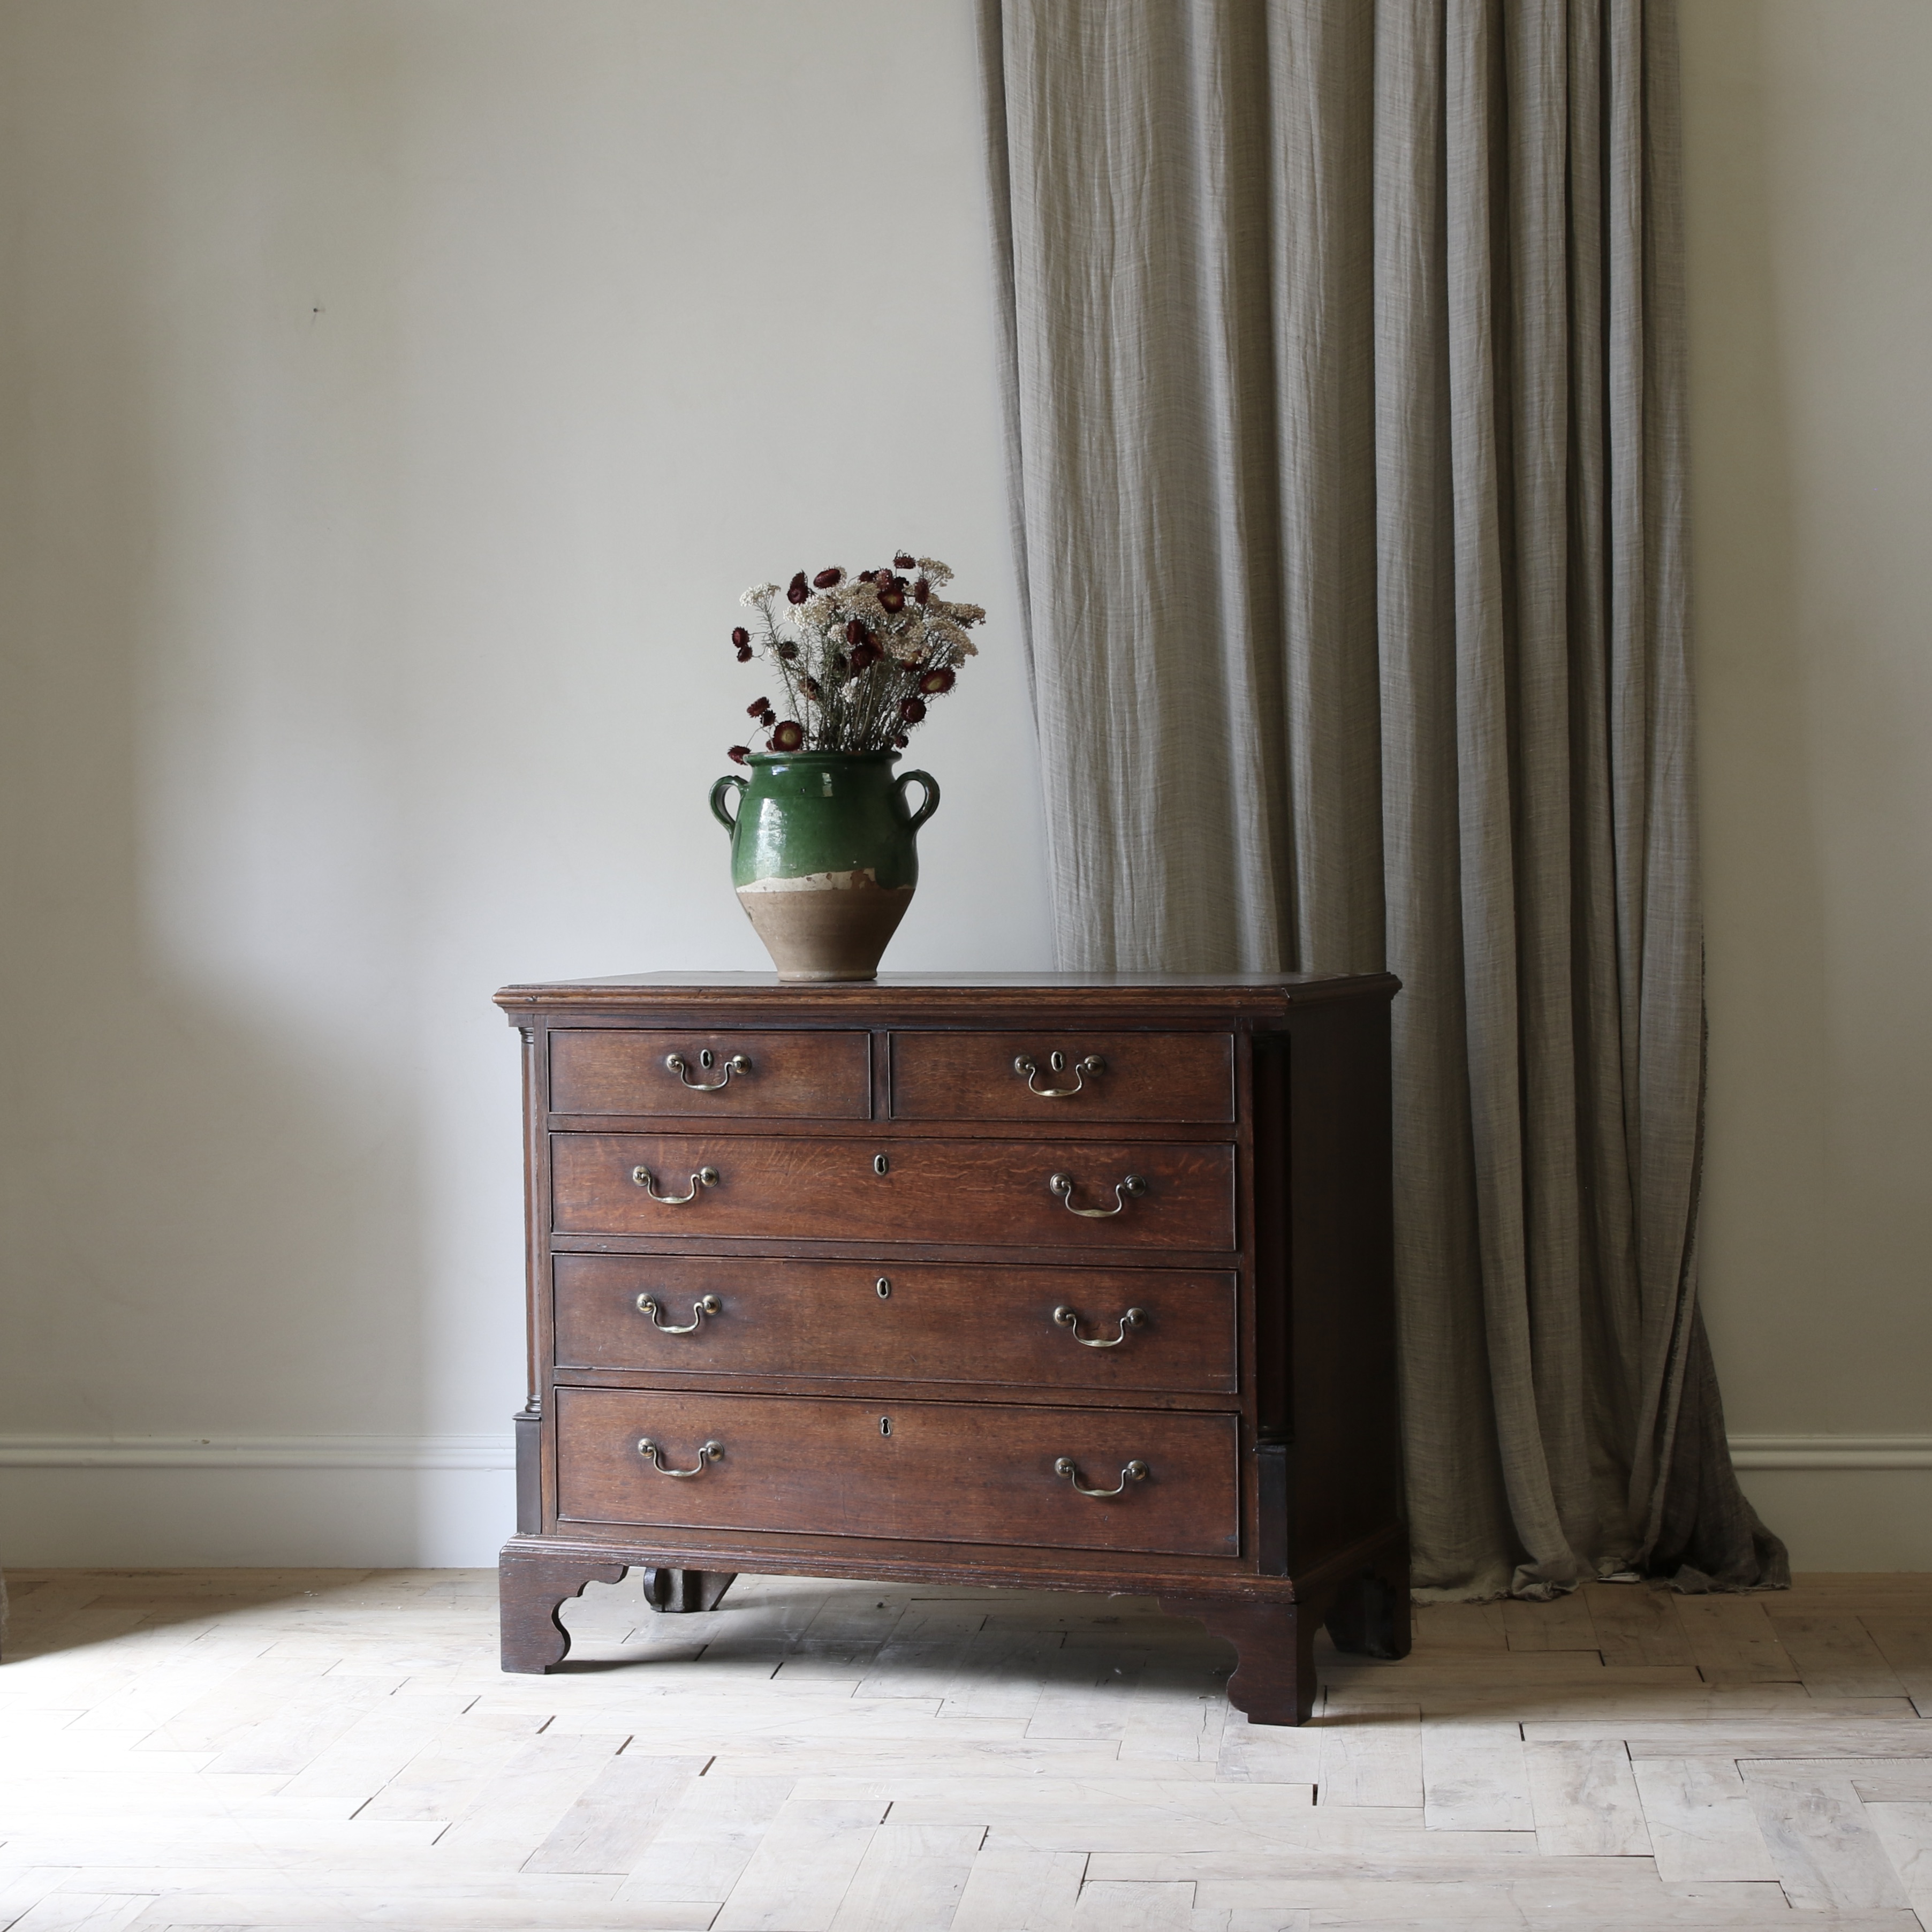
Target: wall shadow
point(212, 1191)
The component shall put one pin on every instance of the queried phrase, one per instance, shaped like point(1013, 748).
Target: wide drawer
point(825, 1076)
point(1046, 1076)
point(1144, 1328)
point(938, 1472)
point(1094, 1195)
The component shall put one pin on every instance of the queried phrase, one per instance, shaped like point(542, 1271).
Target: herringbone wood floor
point(314, 1749)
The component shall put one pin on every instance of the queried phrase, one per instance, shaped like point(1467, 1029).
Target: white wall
point(394, 398)
point(1809, 151)
point(395, 395)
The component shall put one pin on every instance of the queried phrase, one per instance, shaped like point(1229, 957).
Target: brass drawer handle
point(737, 1063)
point(708, 1452)
point(1062, 1184)
point(705, 1176)
point(648, 1304)
point(1136, 1471)
point(1083, 1071)
point(1133, 1318)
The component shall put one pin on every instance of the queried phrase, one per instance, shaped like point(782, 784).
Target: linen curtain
point(1344, 355)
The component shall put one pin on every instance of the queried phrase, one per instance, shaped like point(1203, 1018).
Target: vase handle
point(718, 810)
point(932, 804)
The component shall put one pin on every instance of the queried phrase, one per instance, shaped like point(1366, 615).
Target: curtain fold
point(1343, 351)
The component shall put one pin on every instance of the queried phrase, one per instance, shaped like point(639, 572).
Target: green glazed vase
point(824, 856)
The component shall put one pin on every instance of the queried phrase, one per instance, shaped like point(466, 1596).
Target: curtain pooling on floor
point(1344, 356)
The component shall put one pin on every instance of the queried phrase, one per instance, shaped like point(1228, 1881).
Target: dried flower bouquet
point(860, 656)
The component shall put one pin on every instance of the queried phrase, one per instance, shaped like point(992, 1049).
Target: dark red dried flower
point(913, 710)
point(892, 599)
point(787, 650)
point(825, 579)
point(902, 561)
point(921, 591)
point(901, 742)
point(797, 590)
point(864, 656)
point(756, 705)
point(738, 754)
point(810, 687)
point(788, 737)
point(882, 579)
point(744, 654)
point(741, 637)
point(936, 681)
point(856, 633)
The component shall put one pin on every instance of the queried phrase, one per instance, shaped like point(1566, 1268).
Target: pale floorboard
point(1828, 1853)
point(310, 1749)
point(1586, 1801)
point(1701, 1824)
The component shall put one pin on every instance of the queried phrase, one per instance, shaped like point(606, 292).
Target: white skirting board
point(1841, 1502)
point(357, 1501)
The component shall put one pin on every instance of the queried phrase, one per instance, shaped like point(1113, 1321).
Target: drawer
point(930, 1325)
point(824, 1076)
point(989, 1192)
point(1111, 1076)
point(946, 1472)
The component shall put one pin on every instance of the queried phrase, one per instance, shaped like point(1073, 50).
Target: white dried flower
point(760, 595)
point(949, 634)
point(960, 613)
point(934, 571)
point(909, 645)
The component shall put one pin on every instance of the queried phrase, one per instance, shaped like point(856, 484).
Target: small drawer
point(823, 1076)
point(1092, 1196)
point(1061, 1328)
point(1048, 1076)
point(938, 1472)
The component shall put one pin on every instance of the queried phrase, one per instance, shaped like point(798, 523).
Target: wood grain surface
point(977, 1472)
point(802, 1189)
point(322, 1748)
point(1145, 1076)
point(794, 1076)
point(933, 1323)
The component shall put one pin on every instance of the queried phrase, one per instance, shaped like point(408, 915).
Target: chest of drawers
point(1055, 1281)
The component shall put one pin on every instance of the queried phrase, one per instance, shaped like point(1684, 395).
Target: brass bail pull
point(707, 1453)
point(1134, 1318)
point(705, 1176)
point(1062, 1184)
point(648, 1304)
point(679, 1065)
point(1136, 1471)
point(1083, 1070)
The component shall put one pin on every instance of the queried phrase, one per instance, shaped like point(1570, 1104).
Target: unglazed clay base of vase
point(825, 926)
